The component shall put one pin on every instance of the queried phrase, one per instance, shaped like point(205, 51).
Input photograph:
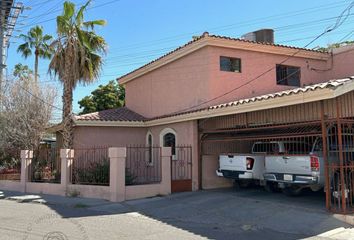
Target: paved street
point(221, 214)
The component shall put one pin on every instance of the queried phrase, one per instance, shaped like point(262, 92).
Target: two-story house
point(214, 80)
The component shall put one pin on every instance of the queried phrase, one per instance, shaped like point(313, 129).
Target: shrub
point(129, 177)
point(98, 173)
point(95, 173)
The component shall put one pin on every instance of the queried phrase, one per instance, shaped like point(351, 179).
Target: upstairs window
point(288, 75)
point(230, 64)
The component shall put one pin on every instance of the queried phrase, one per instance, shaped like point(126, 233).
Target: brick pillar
point(26, 160)
point(66, 156)
point(117, 157)
point(166, 154)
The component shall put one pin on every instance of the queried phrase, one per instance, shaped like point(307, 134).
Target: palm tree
point(76, 58)
point(23, 72)
point(35, 40)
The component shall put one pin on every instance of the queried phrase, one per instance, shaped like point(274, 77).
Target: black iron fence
point(90, 166)
point(10, 164)
point(45, 165)
point(143, 165)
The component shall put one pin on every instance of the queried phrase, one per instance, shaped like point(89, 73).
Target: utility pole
point(9, 12)
point(2, 48)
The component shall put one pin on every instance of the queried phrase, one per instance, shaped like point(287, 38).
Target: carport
point(302, 116)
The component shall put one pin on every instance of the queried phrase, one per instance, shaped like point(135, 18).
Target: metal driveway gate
point(327, 125)
point(181, 169)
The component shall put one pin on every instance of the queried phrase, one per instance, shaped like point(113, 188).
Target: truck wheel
point(244, 183)
point(271, 187)
point(239, 184)
point(292, 191)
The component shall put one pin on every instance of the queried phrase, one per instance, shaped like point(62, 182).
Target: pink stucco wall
point(108, 136)
point(254, 64)
point(186, 134)
point(173, 87)
point(196, 78)
point(343, 63)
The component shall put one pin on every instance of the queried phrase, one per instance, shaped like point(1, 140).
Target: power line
point(125, 64)
point(337, 24)
point(240, 24)
point(347, 36)
point(51, 19)
point(133, 55)
point(286, 15)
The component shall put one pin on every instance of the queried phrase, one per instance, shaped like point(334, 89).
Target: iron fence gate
point(327, 125)
point(143, 165)
point(90, 166)
point(181, 169)
point(339, 143)
point(45, 165)
point(10, 164)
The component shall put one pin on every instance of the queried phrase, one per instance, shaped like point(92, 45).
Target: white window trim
point(163, 133)
point(147, 138)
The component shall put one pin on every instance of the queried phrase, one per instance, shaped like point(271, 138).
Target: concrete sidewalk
point(53, 199)
point(218, 214)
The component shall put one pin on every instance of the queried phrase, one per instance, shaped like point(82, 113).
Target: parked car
point(247, 168)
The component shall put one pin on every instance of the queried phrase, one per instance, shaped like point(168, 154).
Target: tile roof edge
point(205, 35)
point(313, 87)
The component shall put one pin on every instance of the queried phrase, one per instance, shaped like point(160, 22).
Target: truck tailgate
point(288, 164)
point(233, 162)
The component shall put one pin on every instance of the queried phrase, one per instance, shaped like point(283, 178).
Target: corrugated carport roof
point(279, 131)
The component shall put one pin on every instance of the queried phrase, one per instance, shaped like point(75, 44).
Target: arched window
point(168, 138)
point(149, 143)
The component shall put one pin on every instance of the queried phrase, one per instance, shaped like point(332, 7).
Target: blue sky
point(139, 31)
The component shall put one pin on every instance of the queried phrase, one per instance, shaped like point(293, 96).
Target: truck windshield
point(266, 147)
point(297, 147)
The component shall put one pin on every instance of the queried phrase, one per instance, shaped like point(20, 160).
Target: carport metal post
point(325, 156)
point(200, 177)
point(341, 162)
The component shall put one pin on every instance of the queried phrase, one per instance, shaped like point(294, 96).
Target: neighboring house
point(169, 99)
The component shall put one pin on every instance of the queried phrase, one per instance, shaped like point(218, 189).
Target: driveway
point(217, 214)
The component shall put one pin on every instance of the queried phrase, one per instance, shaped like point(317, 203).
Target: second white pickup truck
point(301, 166)
point(246, 168)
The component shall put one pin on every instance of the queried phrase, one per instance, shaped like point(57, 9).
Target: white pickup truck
point(289, 165)
point(299, 166)
point(245, 168)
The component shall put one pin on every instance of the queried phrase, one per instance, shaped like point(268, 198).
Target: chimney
point(262, 35)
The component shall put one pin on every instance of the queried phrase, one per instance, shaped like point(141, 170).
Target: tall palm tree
point(35, 41)
point(77, 58)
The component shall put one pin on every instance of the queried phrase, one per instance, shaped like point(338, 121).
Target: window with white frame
point(168, 138)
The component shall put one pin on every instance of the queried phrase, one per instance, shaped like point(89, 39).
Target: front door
point(181, 169)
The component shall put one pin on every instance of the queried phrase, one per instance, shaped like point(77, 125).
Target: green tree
point(335, 45)
point(37, 42)
point(77, 58)
point(104, 97)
